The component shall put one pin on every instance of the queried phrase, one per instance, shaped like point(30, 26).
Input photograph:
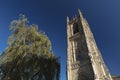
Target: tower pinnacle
point(80, 13)
point(67, 19)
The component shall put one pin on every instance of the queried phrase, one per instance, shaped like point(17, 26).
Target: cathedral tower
point(84, 60)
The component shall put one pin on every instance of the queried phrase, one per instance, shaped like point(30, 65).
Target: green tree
point(29, 55)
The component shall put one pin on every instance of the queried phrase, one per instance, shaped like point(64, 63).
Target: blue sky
point(103, 17)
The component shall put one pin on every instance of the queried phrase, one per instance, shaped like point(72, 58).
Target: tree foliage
point(29, 54)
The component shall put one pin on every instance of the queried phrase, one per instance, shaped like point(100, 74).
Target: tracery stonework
point(84, 60)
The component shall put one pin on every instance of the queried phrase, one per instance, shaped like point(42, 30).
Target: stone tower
point(84, 60)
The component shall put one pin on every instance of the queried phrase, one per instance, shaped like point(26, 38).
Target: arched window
point(75, 28)
point(79, 57)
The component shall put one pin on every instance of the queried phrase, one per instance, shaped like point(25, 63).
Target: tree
point(29, 55)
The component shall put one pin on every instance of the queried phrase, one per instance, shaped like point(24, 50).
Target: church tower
point(84, 60)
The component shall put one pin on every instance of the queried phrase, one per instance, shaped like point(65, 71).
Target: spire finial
point(80, 13)
point(67, 19)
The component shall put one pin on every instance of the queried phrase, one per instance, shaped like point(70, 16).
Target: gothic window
point(78, 51)
point(78, 57)
point(75, 28)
